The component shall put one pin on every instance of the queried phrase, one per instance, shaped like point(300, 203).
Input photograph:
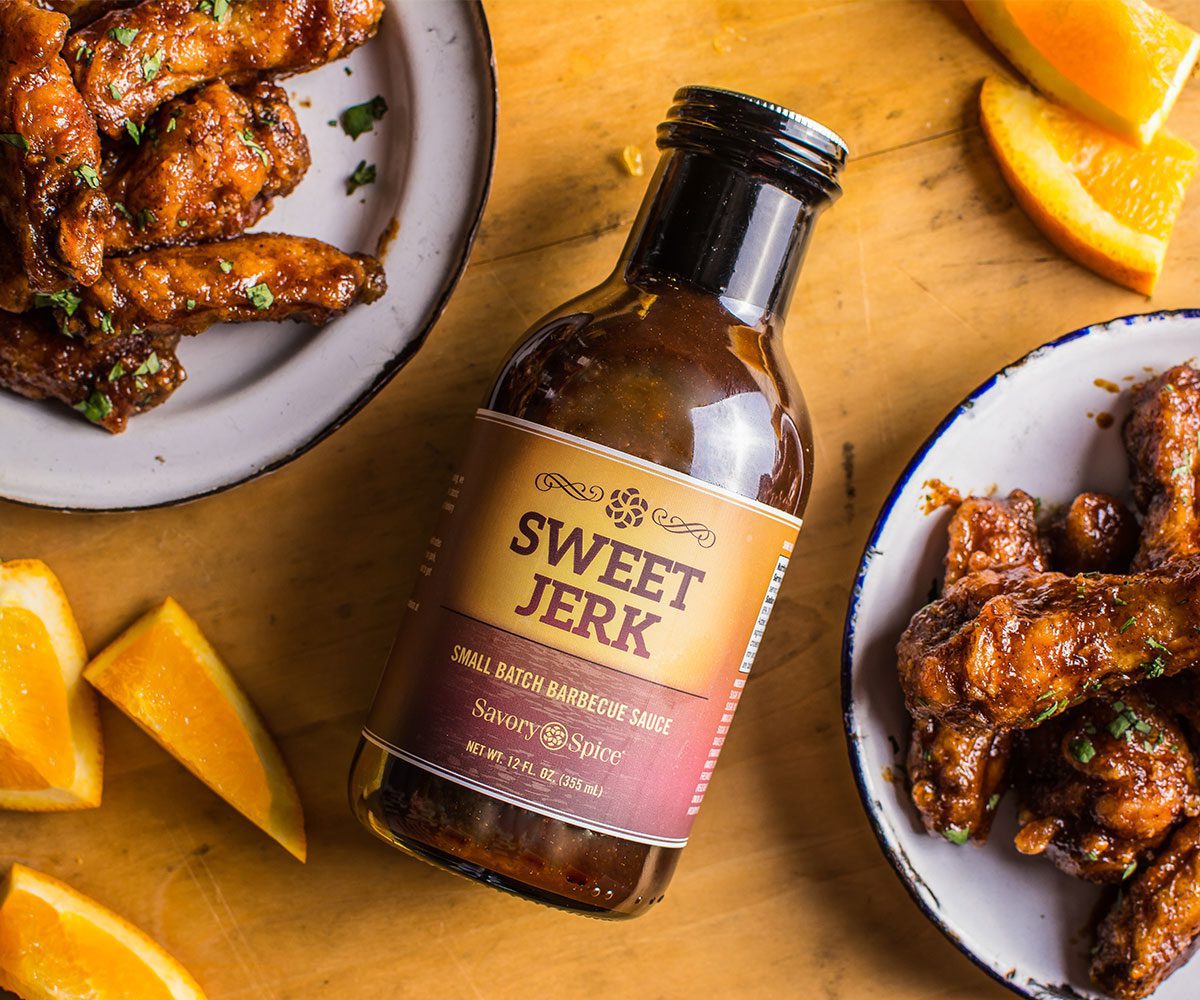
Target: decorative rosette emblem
point(627, 508)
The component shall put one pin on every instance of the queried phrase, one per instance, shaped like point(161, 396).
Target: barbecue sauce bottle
point(609, 553)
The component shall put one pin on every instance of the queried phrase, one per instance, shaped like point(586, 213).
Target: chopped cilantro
point(1082, 750)
point(87, 173)
point(1091, 856)
point(84, 53)
point(1132, 867)
point(65, 300)
point(250, 143)
point(123, 35)
point(363, 174)
point(218, 10)
point(260, 295)
point(362, 117)
point(993, 802)
point(1128, 624)
point(96, 407)
point(1155, 644)
point(116, 372)
point(225, 266)
point(135, 133)
point(151, 64)
point(121, 210)
point(106, 323)
point(115, 91)
point(1155, 669)
point(191, 304)
point(146, 217)
point(957, 835)
point(1118, 726)
point(151, 366)
point(171, 125)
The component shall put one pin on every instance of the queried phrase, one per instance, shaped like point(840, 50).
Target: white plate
point(1032, 425)
point(259, 395)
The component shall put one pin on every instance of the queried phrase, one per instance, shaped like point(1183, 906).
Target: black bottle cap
point(782, 147)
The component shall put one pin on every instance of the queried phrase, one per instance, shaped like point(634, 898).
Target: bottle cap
point(782, 146)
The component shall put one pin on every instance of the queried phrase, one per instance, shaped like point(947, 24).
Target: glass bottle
point(555, 741)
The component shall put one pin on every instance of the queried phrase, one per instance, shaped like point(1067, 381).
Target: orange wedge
point(1121, 63)
point(50, 751)
point(56, 944)
point(1108, 204)
point(165, 676)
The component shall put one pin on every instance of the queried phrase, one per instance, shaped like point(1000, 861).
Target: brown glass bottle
point(676, 360)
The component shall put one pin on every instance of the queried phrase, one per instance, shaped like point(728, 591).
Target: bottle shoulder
point(672, 379)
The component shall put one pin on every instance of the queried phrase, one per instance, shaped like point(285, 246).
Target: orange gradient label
point(582, 631)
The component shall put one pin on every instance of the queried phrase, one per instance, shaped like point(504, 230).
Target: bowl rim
point(394, 365)
point(895, 856)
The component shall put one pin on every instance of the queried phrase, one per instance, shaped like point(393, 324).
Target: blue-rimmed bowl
point(1048, 424)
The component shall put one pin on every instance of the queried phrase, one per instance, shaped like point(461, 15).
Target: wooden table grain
point(920, 282)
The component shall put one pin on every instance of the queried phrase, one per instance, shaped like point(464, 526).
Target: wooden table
point(920, 282)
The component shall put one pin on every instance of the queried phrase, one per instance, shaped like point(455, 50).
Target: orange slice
point(165, 676)
point(1108, 204)
point(1120, 63)
point(56, 944)
point(50, 750)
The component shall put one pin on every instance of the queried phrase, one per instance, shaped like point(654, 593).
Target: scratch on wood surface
point(933, 137)
point(928, 291)
point(592, 234)
point(466, 973)
point(204, 880)
point(526, 319)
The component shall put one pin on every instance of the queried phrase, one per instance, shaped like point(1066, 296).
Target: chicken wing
point(49, 153)
point(1155, 924)
point(107, 382)
point(131, 61)
point(207, 170)
point(257, 278)
point(958, 776)
point(1004, 653)
point(83, 12)
point(1162, 436)
point(15, 294)
point(1102, 786)
point(1095, 534)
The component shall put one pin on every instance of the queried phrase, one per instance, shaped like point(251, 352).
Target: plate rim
point(896, 856)
point(396, 363)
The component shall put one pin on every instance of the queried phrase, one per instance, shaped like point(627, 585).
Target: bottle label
point(581, 632)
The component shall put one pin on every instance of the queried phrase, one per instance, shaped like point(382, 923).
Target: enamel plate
point(1035, 425)
point(260, 395)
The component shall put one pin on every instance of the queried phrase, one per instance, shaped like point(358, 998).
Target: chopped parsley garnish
point(116, 372)
point(151, 366)
point(225, 266)
point(1117, 601)
point(191, 304)
point(115, 91)
point(1142, 726)
point(993, 802)
point(363, 175)
point(16, 140)
point(1091, 856)
point(957, 835)
point(1155, 669)
point(362, 117)
point(84, 53)
point(151, 64)
point(182, 223)
point(146, 217)
point(1118, 726)
point(1155, 644)
point(1054, 709)
point(96, 407)
point(1185, 468)
point(66, 300)
point(171, 125)
point(250, 143)
point(135, 133)
point(218, 10)
point(123, 35)
point(87, 173)
point(1129, 870)
point(121, 210)
point(261, 297)
point(106, 323)
point(1082, 750)
point(1128, 624)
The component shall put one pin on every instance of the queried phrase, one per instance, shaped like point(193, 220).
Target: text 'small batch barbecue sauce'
point(606, 560)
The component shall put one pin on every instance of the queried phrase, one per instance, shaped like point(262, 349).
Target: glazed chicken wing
point(107, 382)
point(83, 12)
point(1155, 924)
point(132, 61)
point(994, 652)
point(207, 169)
point(958, 776)
point(1095, 534)
point(1162, 436)
point(1102, 786)
point(50, 153)
point(266, 277)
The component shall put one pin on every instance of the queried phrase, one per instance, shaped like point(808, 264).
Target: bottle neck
point(719, 228)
